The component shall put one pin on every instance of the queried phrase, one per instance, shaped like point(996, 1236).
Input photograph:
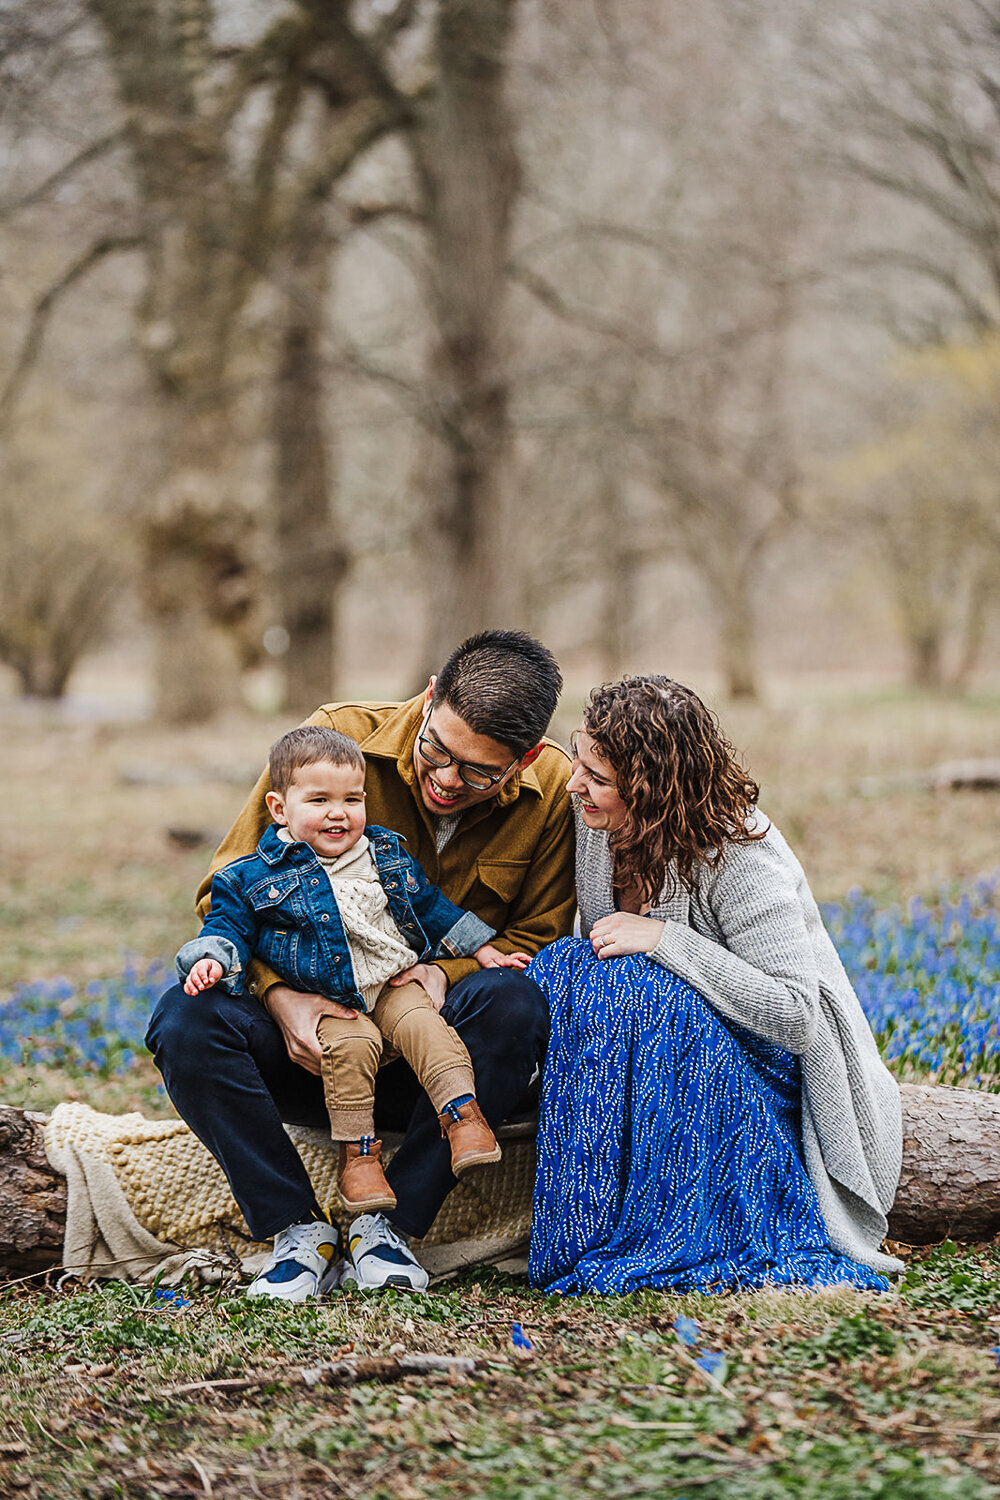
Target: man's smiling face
point(442, 789)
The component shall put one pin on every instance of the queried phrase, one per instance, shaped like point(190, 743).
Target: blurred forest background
point(330, 332)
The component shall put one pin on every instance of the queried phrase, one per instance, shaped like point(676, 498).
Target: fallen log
point(32, 1196)
point(949, 1187)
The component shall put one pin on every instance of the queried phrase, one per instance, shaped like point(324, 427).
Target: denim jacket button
point(314, 881)
point(336, 958)
point(325, 917)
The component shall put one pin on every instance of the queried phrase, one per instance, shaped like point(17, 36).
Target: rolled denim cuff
point(461, 941)
point(222, 950)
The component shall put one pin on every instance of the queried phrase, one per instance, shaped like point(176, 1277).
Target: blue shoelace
point(456, 1104)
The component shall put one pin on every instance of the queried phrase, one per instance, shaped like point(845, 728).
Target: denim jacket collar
point(274, 851)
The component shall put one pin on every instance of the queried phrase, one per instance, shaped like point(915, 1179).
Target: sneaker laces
point(392, 1236)
point(301, 1237)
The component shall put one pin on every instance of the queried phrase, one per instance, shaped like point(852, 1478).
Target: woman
point(714, 1109)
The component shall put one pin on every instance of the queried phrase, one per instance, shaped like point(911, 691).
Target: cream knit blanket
point(145, 1199)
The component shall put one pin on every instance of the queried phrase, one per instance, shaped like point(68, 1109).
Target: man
point(464, 773)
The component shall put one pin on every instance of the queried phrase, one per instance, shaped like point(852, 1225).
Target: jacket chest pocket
point(276, 899)
point(504, 877)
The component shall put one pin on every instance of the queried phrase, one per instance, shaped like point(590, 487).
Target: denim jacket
point(278, 904)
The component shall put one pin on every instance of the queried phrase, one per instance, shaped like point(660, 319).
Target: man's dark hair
point(306, 747)
point(504, 685)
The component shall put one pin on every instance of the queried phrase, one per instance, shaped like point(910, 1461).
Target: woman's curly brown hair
point(685, 792)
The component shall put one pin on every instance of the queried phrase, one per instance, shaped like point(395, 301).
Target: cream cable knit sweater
point(377, 948)
point(751, 941)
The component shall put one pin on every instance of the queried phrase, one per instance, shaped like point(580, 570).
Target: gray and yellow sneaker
point(306, 1262)
point(378, 1257)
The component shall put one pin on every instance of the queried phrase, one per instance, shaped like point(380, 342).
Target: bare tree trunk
point(925, 648)
point(469, 175)
point(731, 586)
point(199, 578)
point(973, 633)
point(311, 560)
point(196, 535)
point(620, 570)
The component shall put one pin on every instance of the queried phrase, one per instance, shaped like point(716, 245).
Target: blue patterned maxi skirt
point(669, 1147)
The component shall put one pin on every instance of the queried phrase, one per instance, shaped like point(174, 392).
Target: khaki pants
point(405, 1020)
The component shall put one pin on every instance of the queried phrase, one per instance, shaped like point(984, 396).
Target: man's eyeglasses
point(473, 776)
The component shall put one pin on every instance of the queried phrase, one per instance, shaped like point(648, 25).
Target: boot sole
point(367, 1205)
point(477, 1159)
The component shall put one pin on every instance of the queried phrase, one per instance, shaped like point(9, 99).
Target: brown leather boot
point(470, 1138)
point(361, 1180)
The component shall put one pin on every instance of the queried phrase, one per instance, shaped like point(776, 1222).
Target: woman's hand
point(297, 1015)
point(488, 957)
point(623, 932)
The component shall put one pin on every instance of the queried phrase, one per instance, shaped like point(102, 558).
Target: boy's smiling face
point(322, 806)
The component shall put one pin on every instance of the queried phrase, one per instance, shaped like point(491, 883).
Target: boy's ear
point(276, 806)
point(531, 755)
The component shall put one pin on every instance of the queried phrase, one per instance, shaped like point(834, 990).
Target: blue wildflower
point(686, 1330)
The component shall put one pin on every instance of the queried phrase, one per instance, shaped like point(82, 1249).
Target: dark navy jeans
point(227, 1071)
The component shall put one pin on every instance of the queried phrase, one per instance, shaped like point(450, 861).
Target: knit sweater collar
point(356, 861)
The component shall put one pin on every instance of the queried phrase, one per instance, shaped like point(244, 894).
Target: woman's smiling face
point(592, 782)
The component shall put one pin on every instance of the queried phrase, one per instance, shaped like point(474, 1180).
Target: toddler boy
point(338, 908)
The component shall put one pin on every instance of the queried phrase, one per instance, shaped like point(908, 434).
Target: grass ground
point(830, 1395)
point(117, 1392)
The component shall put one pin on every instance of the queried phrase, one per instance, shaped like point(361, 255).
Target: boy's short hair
point(307, 746)
point(504, 685)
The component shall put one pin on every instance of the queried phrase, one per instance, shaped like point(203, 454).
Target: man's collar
point(395, 738)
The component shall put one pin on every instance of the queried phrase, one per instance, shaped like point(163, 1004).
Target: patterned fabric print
point(668, 1149)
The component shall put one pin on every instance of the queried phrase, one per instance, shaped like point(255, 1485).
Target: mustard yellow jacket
point(510, 860)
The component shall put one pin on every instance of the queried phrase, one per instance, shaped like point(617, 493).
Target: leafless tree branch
point(62, 174)
point(45, 306)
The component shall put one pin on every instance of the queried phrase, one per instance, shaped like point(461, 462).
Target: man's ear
point(430, 692)
point(531, 755)
point(276, 806)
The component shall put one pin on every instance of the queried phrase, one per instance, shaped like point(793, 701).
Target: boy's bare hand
point(297, 1015)
point(429, 977)
point(489, 957)
point(203, 974)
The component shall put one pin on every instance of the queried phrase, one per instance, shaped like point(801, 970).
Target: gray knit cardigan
point(752, 942)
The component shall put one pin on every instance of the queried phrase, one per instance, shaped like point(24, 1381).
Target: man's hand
point(623, 932)
point(297, 1015)
point(429, 977)
point(205, 973)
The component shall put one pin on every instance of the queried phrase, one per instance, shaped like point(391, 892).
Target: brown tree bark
point(468, 175)
point(210, 225)
point(310, 559)
point(950, 1183)
point(32, 1196)
point(949, 1188)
